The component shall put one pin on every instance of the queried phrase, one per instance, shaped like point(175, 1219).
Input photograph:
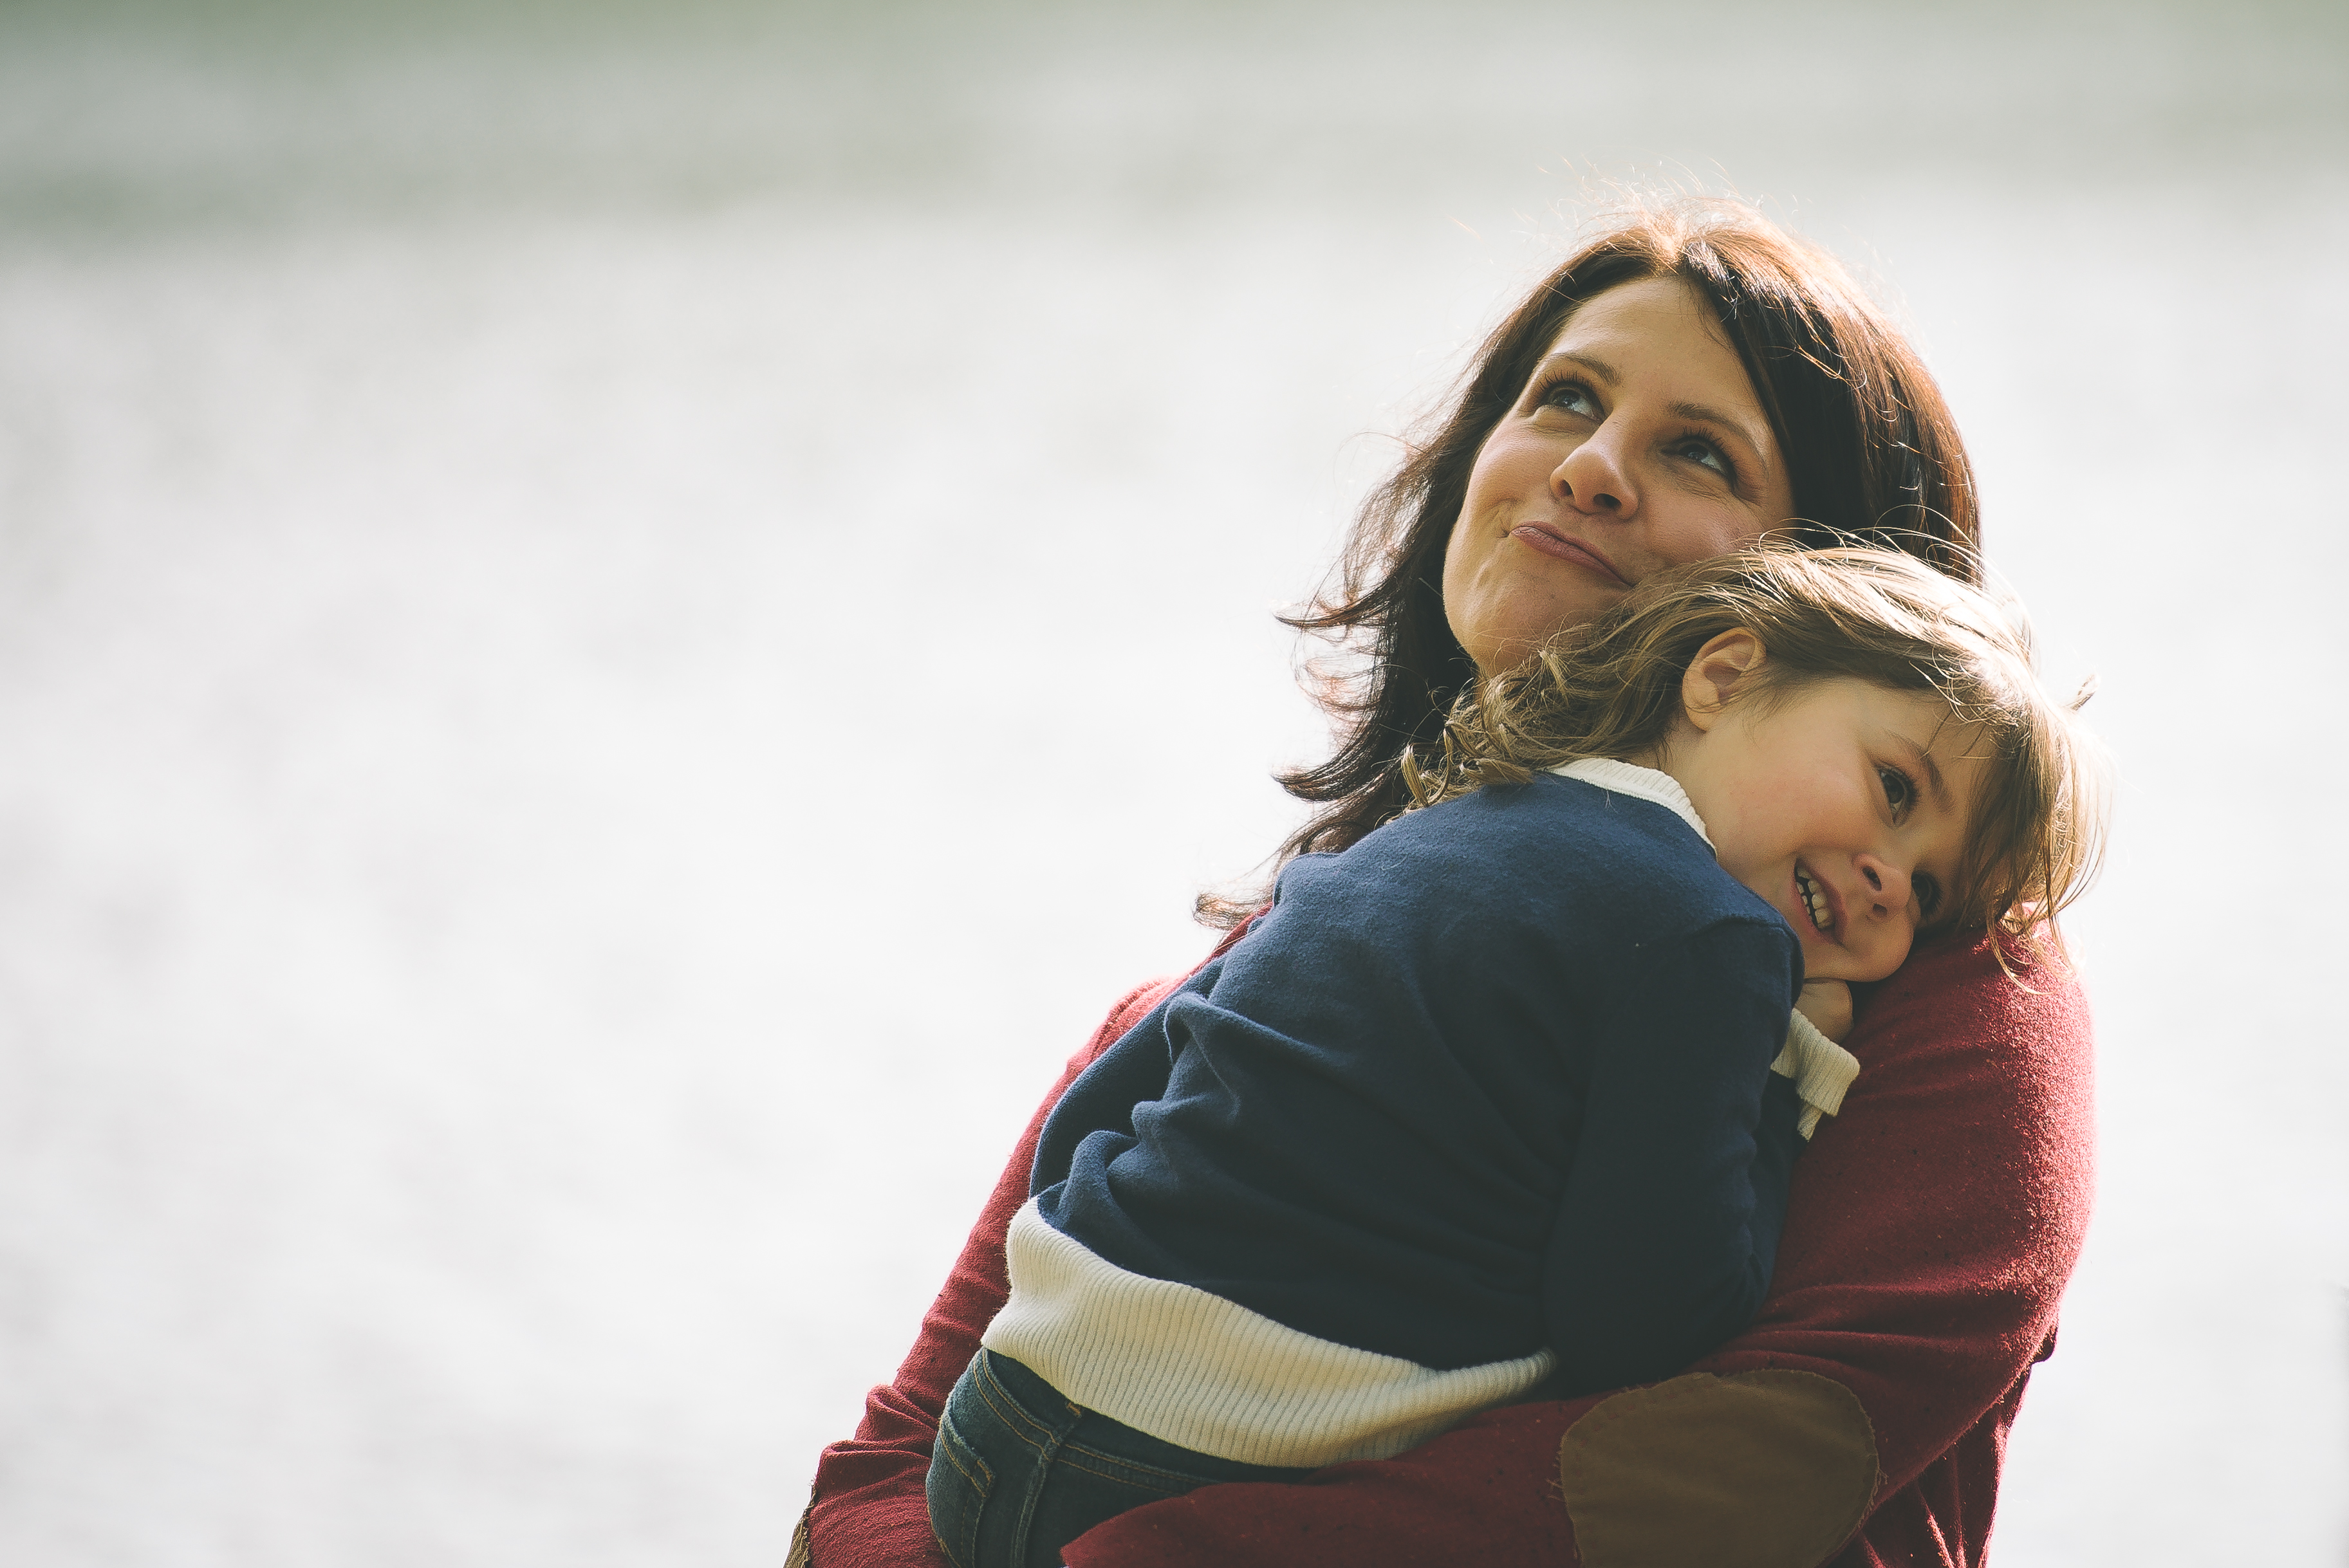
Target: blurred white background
point(620, 625)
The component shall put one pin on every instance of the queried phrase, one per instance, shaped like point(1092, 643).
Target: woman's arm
point(1932, 1225)
point(869, 1508)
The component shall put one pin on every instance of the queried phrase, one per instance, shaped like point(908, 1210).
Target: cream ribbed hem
point(1645, 783)
point(1191, 1368)
point(1821, 1071)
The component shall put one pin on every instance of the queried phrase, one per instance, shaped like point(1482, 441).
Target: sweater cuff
point(1821, 1071)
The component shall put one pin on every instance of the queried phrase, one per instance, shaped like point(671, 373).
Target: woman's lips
point(1550, 542)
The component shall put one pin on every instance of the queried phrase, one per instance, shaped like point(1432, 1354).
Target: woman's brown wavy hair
point(1612, 687)
point(1872, 450)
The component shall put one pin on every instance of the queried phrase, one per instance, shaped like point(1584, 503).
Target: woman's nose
point(1595, 478)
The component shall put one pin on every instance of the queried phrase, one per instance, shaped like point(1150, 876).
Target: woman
point(1689, 381)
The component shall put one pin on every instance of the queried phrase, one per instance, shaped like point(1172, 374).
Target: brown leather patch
point(798, 1556)
point(1754, 1469)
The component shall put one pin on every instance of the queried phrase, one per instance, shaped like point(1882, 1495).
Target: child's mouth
point(1814, 899)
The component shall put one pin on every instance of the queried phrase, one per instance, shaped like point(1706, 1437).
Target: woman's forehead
point(1658, 336)
point(1665, 311)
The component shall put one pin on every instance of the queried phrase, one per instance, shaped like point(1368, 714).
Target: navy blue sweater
point(1495, 1077)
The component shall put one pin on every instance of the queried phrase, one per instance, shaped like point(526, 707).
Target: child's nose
point(1887, 885)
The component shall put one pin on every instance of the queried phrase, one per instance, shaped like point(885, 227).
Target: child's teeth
point(1812, 900)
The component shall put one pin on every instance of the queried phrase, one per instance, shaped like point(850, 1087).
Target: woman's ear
point(1715, 673)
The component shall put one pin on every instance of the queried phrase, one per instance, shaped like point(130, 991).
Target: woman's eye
point(1573, 397)
point(1701, 452)
point(1897, 788)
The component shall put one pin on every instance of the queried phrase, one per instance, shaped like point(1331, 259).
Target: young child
point(1505, 1095)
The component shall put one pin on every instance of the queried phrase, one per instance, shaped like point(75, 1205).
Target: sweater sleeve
point(1931, 1226)
point(1662, 1245)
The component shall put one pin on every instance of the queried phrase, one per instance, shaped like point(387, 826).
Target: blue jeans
point(1020, 1471)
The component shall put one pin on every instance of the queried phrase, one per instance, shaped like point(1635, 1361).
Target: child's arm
point(1669, 1224)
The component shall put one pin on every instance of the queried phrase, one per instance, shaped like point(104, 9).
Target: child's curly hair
point(1612, 688)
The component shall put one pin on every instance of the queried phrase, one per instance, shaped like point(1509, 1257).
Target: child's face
point(1844, 806)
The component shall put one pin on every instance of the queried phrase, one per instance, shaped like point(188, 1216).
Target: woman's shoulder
point(1987, 995)
point(1996, 1057)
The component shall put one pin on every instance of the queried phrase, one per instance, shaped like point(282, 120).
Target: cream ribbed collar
point(1645, 783)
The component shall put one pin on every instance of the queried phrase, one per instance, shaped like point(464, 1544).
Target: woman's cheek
point(1710, 530)
point(1468, 587)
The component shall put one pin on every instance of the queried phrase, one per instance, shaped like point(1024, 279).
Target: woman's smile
point(1551, 540)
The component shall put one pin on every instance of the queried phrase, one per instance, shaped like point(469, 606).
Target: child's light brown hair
point(1612, 688)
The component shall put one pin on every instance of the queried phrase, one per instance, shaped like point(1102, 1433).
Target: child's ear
point(1714, 675)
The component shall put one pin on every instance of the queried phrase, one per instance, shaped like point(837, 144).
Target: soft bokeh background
point(618, 625)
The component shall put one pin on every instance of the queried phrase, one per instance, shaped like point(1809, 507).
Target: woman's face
point(1638, 444)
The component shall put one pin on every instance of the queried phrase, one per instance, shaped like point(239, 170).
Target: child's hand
point(1827, 1005)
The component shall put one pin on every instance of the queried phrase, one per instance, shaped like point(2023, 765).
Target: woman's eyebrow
point(1598, 367)
point(1706, 414)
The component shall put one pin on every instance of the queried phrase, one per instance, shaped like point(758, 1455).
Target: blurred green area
point(130, 115)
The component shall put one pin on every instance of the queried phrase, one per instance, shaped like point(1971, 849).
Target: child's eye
point(1898, 790)
point(1927, 889)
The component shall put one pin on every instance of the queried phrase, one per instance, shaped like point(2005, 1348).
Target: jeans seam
point(953, 1447)
point(1182, 1483)
point(1031, 1444)
point(984, 1482)
point(1006, 1408)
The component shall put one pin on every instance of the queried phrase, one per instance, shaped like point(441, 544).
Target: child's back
point(1355, 1130)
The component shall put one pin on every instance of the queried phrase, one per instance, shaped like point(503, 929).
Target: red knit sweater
point(1931, 1229)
